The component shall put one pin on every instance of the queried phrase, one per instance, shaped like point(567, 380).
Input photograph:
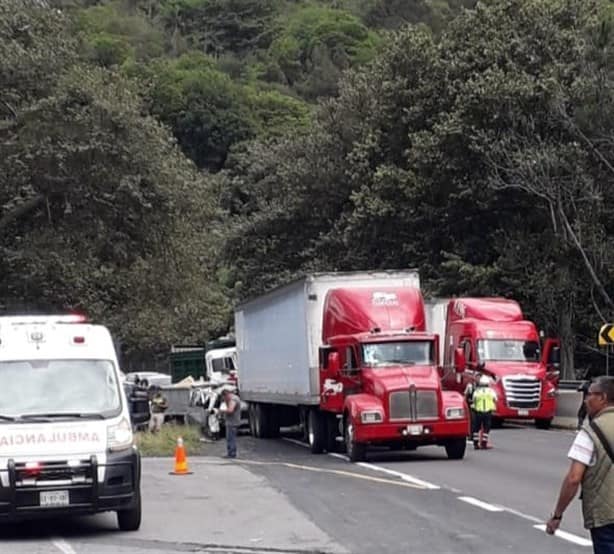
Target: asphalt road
point(277, 497)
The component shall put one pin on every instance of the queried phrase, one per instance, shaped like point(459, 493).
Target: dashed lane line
point(419, 483)
point(567, 536)
point(403, 476)
point(541, 526)
point(467, 499)
point(480, 504)
point(335, 472)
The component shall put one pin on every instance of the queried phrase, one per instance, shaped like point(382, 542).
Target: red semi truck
point(346, 354)
point(491, 336)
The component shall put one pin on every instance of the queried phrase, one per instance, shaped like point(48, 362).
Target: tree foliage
point(97, 200)
point(316, 45)
point(481, 157)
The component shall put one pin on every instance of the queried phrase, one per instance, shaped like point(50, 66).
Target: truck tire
point(356, 451)
point(251, 417)
point(455, 448)
point(130, 520)
point(317, 431)
point(272, 421)
point(259, 421)
point(543, 423)
point(331, 433)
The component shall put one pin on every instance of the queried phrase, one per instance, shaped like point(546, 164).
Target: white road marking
point(340, 456)
point(63, 546)
point(403, 476)
point(480, 504)
point(296, 441)
point(523, 516)
point(567, 536)
point(468, 499)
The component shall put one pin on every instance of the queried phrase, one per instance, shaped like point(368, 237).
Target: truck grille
point(413, 405)
point(522, 391)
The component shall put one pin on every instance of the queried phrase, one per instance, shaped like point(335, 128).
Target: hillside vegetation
point(163, 159)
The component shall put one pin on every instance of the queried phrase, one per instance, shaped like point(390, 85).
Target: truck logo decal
point(42, 438)
point(332, 387)
point(384, 299)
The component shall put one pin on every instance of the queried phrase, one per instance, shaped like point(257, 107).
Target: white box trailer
point(435, 312)
point(279, 334)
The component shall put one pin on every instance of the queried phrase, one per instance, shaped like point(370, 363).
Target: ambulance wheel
point(130, 520)
point(543, 423)
point(455, 448)
point(356, 451)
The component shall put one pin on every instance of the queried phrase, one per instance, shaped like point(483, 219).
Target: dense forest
point(160, 160)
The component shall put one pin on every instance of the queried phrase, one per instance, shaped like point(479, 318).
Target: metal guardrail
point(569, 384)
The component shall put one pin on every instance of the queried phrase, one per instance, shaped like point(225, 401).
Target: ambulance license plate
point(523, 412)
point(54, 499)
point(414, 429)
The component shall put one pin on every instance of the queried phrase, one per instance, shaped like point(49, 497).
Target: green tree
point(448, 154)
point(215, 27)
point(317, 45)
point(97, 201)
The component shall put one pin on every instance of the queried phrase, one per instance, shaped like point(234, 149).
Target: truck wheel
point(317, 431)
point(331, 433)
point(455, 448)
point(272, 421)
point(260, 423)
point(543, 423)
point(356, 451)
point(130, 520)
point(251, 418)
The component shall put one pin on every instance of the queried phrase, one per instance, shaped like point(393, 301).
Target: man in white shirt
point(592, 465)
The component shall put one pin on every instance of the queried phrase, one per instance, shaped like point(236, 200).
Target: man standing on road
point(159, 405)
point(484, 400)
point(583, 388)
point(232, 420)
point(592, 460)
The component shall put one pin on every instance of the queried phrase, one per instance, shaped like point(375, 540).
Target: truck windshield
point(57, 387)
point(382, 354)
point(508, 350)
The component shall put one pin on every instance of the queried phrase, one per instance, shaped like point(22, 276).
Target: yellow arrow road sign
point(606, 334)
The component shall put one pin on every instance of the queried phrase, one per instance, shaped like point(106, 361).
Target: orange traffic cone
point(181, 460)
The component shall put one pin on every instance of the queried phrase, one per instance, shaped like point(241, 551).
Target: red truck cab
point(495, 339)
point(379, 372)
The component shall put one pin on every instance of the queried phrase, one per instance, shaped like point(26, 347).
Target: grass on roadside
point(164, 442)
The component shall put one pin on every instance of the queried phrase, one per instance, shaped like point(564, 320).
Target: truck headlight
point(371, 416)
point(119, 436)
point(455, 413)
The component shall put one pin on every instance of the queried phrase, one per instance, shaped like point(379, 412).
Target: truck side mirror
point(334, 362)
point(460, 363)
point(555, 356)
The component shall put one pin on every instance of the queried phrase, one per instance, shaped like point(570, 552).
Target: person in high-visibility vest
point(484, 399)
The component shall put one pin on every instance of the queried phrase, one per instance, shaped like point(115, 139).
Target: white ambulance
point(66, 443)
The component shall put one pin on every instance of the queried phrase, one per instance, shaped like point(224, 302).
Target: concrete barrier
point(568, 402)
